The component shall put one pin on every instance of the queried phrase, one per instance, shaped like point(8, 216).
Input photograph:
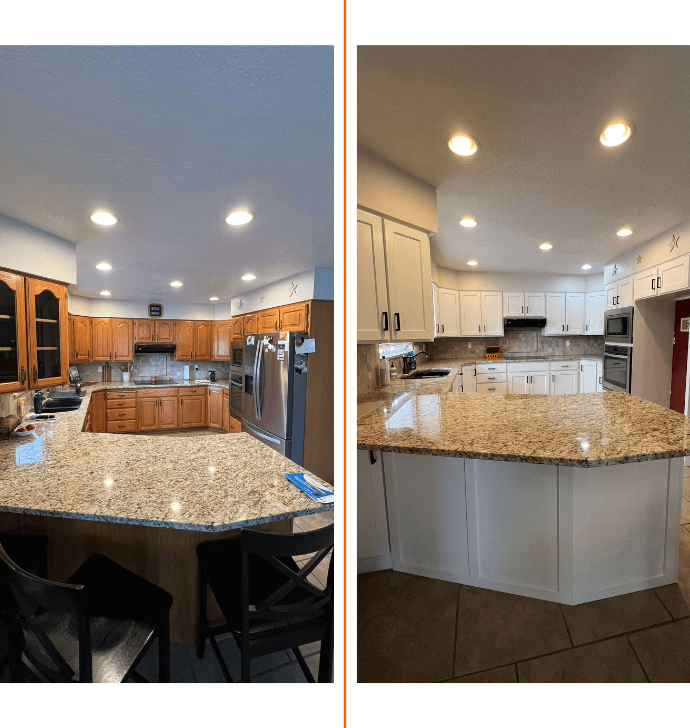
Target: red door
point(679, 364)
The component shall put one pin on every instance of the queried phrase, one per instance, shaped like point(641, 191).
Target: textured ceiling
point(171, 140)
point(540, 173)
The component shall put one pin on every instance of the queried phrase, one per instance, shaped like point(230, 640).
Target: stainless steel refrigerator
point(274, 392)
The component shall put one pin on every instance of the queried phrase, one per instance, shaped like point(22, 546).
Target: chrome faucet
point(410, 362)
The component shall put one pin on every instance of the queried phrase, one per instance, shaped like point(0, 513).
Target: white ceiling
point(540, 172)
point(171, 140)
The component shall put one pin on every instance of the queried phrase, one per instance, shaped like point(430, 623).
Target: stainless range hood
point(154, 348)
point(524, 323)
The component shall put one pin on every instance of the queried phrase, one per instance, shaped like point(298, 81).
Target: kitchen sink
point(62, 405)
point(429, 374)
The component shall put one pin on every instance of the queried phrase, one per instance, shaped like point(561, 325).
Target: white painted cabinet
point(575, 314)
point(513, 305)
point(594, 313)
point(565, 382)
point(492, 313)
point(457, 383)
point(555, 314)
point(373, 548)
point(645, 283)
point(470, 313)
point(394, 296)
point(619, 294)
point(437, 316)
point(611, 294)
point(469, 379)
point(588, 377)
point(528, 383)
point(448, 312)
point(674, 275)
point(535, 305)
point(600, 377)
point(372, 293)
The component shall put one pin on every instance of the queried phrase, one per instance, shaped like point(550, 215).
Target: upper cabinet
point(268, 321)
point(80, 339)
point(194, 340)
point(575, 313)
point(470, 313)
point(13, 342)
point(101, 339)
point(448, 312)
point(535, 305)
point(165, 332)
point(594, 313)
point(152, 331)
point(250, 323)
point(203, 340)
point(674, 275)
point(48, 337)
point(237, 328)
point(222, 336)
point(518, 305)
point(184, 340)
point(619, 294)
point(295, 317)
point(555, 314)
point(394, 297)
point(492, 313)
point(121, 332)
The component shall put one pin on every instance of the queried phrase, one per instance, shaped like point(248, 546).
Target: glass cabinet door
point(47, 333)
point(13, 364)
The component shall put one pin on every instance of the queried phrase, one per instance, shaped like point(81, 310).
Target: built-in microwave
point(618, 325)
point(237, 357)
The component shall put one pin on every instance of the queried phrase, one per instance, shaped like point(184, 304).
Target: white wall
point(654, 251)
point(35, 252)
point(462, 281)
point(108, 308)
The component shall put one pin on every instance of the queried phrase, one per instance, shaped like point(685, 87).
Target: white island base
point(563, 534)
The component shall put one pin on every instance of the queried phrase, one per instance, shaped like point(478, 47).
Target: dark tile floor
point(281, 667)
point(415, 629)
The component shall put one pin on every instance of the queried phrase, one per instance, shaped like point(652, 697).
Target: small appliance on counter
point(493, 352)
point(212, 376)
point(38, 402)
point(74, 375)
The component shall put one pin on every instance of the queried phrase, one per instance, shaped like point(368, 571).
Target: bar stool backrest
point(310, 602)
point(31, 602)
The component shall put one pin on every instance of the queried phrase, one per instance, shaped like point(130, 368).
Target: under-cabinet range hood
point(524, 323)
point(154, 348)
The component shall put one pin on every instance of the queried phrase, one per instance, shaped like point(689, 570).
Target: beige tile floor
point(414, 629)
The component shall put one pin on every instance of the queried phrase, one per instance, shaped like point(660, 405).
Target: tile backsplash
point(368, 365)
point(160, 365)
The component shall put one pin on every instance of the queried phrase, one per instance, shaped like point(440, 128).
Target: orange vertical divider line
point(345, 350)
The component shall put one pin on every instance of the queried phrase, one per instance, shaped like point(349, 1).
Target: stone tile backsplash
point(159, 365)
point(368, 365)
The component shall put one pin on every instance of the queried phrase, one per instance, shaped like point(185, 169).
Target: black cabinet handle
point(563, 327)
point(396, 316)
point(658, 282)
point(523, 309)
point(437, 328)
point(652, 284)
point(372, 457)
point(443, 329)
point(385, 320)
point(567, 328)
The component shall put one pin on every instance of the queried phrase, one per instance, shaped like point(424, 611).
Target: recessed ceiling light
point(248, 277)
point(176, 284)
point(104, 266)
point(546, 246)
point(471, 262)
point(469, 222)
point(213, 298)
point(105, 293)
point(624, 231)
point(463, 144)
point(586, 266)
point(103, 218)
point(241, 217)
point(616, 134)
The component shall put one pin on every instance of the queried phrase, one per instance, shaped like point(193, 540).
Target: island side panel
point(626, 528)
point(427, 515)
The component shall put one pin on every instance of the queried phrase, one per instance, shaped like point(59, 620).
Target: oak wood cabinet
point(226, 410)
point(237, 328)
point(80, 339)
point(203, 340)
point(215, 408)
point(48, 337)
point(184, 340)
point(250, 323)
point(167, 413)
point(13, 339)
point(101, 339)
point(295, 317)
point(234, 425)
point(192, 411)
point(150, 331)
point(147, 414)
point(99, 412)
point(121, 334)
point(165, 332)
point(268, 321)
point(222, 336)
point(157, 409)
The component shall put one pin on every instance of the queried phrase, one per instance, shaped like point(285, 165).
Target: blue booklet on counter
point(311, 487)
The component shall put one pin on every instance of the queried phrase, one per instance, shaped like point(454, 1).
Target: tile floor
point(415, 629)
point(281, 667)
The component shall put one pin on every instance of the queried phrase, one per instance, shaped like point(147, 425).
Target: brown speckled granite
point(583, 430)
point(147, 480)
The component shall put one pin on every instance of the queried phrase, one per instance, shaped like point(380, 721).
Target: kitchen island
point(145, 501)
point(567, 498)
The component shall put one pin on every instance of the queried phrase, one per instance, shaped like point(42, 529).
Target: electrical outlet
point(100, 368)
point(469, 344)
point(567, 342)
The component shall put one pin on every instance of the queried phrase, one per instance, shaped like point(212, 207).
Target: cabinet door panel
point(14, 375)
point(101, 339)
point(123, 349)
point(673, 276)
point(611, 296)
point(539, 383)
point(48, 335)
point(144, 331)
point(565, 382)
point(98, 412)
point(408, 274)
point(80, 349)
point(437, 313)
point(644, 284)
point(372, 520)
point(469, 379)
point(595, 314)
point(449, 312)
point(518, 383)
point(575, 314)
point(492, 314)
point(222, 335)
point(226, 411)
point(535, 305)
point(167, 413)
point(588, 377)
point(215, 408)
point(203, 340)
point(165, 332)
point(293, 318)
point(470, 313)
point(555, 314)
point(237, 328)
point(192, 412)
point(250, 324)
point(184, 340)
point(513, 305)
point(372, 289)
point(625, 292)
point(147, 414)
point(268, 321)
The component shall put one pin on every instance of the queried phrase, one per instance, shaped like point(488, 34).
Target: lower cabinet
point(192, 411)
point(147, 414)
point(588, 377)
point(528, 383)
point(167, 413)
point(98, 412)
point(215, 408)
point(565, 382)
point(373, 547)
point(226, 410)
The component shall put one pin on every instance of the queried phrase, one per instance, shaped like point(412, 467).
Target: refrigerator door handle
point(261, 435)
point(262, 392)
point(256, 382)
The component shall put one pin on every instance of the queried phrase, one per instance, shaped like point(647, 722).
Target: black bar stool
point(94, 628)
point(30, 552)
point(265, 597)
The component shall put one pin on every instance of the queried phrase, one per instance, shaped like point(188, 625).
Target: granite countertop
point(198, 483)
point(581, 430)
point(222, 383)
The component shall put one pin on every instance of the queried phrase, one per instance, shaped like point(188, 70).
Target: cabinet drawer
point(120, 395)
point(487, 378)
point(119, 403)
point(490, 368)
point(114, 414)
point(234, 425)
point(490, 388)
point(155, 392)
point(529, 366)
point(192, 391)
point(559, 365)
point(124, 426)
